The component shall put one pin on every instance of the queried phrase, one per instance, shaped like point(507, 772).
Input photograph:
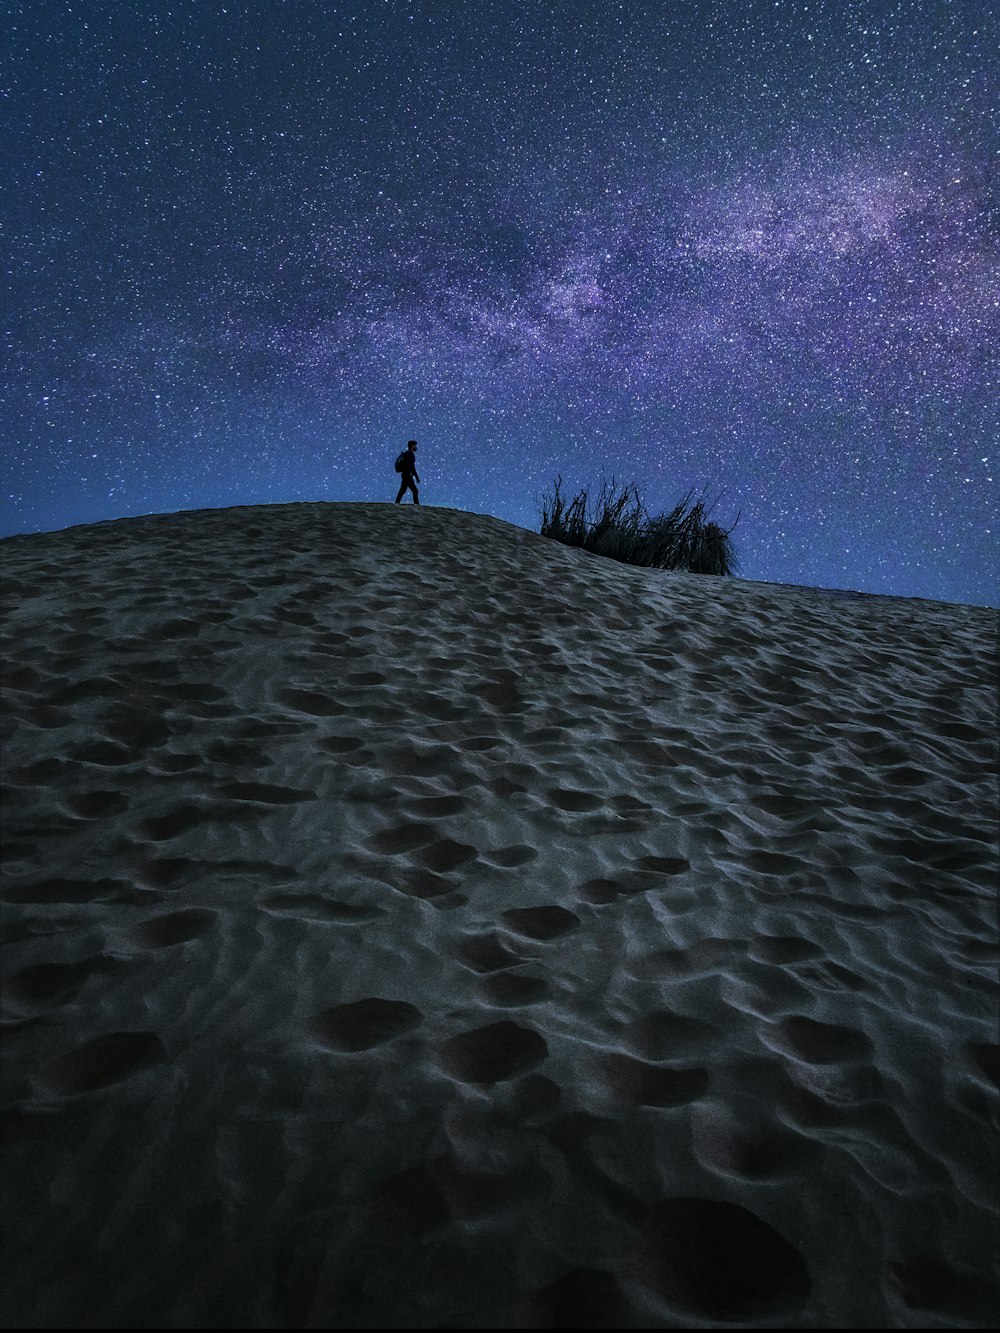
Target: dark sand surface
point(409, 920)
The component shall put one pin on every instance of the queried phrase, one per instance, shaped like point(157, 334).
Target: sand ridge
point(412, 921)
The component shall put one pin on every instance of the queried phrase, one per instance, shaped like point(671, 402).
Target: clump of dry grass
point(621, 529)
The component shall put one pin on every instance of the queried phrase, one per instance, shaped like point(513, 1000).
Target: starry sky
point(747, 250)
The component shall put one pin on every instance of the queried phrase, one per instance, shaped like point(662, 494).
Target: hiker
point(406, 463)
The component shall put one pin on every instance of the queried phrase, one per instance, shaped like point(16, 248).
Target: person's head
point(411, 445)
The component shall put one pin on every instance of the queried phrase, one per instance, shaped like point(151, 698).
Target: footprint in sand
point(718, 1261)
point(783, 949)
point(365, 1023)
point(177, 763)
point(446, 855)
point(815, 1043)
point(637, 1083)
point(534, 1095)
point(493, 1053)
point(730, 1144)
point(80, 691)
point(774, 863)
point(427, 761)
point(43, 772)
point(98, 804)
point(664, 1035)
point(438, 807)
point(423, 844)
point(933, 1288)
point(518, 854)
point(238, 754)
point(509, 990)
point(339, 744)
point(178, 629)
point(436, 889)
point(705, 956)
point(477, 744)
point(137, 728)
point(984, 1057)
point(831, 976)
point(364, 678)
point(540, 923)
point(307, 701)
point(603, 891)
point(583, 1298)
point(403, 838)
point(102, 1061)
point(485, 953)
point(106, 753)
point(257, 728)
point(662, 865)
point(171, 872)
point(428, 1196)
point(56, 983)
point(572, 799)
point(643, 878)
point(161, 932)
point(287, 617)
point(502, 693)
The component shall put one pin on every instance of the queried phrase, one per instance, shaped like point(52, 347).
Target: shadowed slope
point(414, 921)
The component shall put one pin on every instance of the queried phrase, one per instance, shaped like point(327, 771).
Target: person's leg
point(402, 489)
point(413, 488)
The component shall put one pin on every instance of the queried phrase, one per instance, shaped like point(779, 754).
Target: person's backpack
point(400, 461)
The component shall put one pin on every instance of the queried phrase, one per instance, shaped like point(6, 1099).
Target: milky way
point(746, 250)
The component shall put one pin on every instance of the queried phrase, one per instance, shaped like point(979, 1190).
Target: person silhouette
point(408, 461)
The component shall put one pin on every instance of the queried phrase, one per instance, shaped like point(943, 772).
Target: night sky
point(747, 249)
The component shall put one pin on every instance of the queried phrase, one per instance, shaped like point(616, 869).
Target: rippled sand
point(412, 921)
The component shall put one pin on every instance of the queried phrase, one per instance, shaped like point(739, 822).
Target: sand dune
point(409, 920)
